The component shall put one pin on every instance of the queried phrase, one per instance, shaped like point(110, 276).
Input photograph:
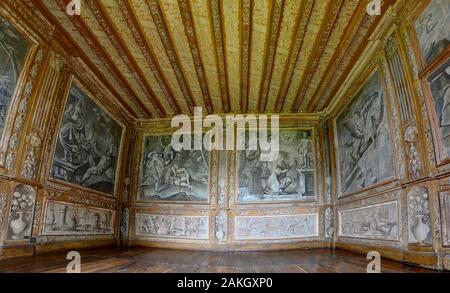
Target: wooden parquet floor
point(148, 260)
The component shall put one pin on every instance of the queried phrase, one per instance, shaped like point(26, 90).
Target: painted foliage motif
point(440, 90)
point(171, 175)
point(88, 145)
point(13, 51)
point(432, 29)
point(172, 226)
point(378, 221)
point(365, 152)
point(277, 227)
point(289, 177)
point(21, 214)
point(69, 219)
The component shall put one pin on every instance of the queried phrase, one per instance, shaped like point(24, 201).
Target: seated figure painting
point(88, 145)
point(169, 175)
point(289, 177)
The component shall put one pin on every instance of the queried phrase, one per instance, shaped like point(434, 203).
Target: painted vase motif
point(420, 230)
point(18, 226)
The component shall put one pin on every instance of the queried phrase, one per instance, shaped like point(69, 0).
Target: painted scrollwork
point(414, 161)
point(221, 227)
point(124, 222)
point(3, 202)
point(329, 226)
point(31, 162)
point(20, 118)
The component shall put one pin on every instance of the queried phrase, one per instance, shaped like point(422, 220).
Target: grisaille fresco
point(21, 212)
point(172, 226)
point(432, 29)
point(69, 219)
point(276, 227)
point(289, 177)
point(365, 152)
point(445, 213)
point(88, 145)
point(172, 176)
point(13, 51)
point(378, 221)
point(419, 219)
point(440, 89)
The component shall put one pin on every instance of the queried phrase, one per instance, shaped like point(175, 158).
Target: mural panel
point(167, 175)
point(289, 177)
point(21, 213)
point(13, 51)
point(445, 214)
point(276, 227)
point(88, 145)
point(70, 219)
point(378, 221)
point(439, 83)
point(172, 226)
point(432, 29)
point(365, 151)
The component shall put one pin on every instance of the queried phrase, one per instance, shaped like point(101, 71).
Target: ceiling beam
point(144, 46)
point(271, 47)
point(245, 22)
point(188, 23)
point(355, 54)
point(294, 53)
point(214, 8)
point(76, 51)
point(328, 23)
point(106, 23)
point(101, 54)
point(158, 19)
point(348, 36)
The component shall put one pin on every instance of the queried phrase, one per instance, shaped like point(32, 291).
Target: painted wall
point(390, 143)
point(62, 143)
point(229, 200)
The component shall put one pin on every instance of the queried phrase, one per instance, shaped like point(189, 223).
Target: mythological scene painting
point(432, 29)
point(170, 175)
point(69, 219)
point(373, 222)
point(277, 227)
point(289, 177)
point(364, 145)
point(440, 89)
point(13, 52)
point(88, 145)
point(172, 226)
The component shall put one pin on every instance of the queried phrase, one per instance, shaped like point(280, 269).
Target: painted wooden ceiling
point(164, 57)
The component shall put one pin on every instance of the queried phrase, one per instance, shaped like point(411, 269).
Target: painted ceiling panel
point(163, 57)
